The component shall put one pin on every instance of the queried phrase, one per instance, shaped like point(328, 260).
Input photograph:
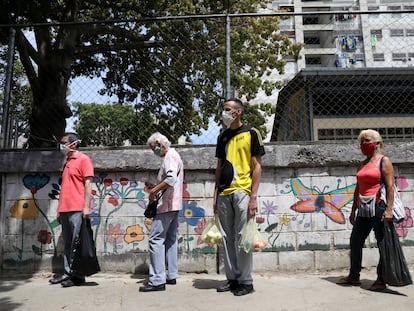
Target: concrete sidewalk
point(274, 291)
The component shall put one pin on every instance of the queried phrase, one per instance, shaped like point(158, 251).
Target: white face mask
point(65, 149)
point(227, 117)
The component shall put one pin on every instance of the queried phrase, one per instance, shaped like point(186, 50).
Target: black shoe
point(171, 282)
point(243, 289)
point(59, 279)
point(231, 285)
point(151, 288)
point(73, 281)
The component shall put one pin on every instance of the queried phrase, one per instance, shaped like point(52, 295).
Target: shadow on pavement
point(207, 283)
point(365, 284)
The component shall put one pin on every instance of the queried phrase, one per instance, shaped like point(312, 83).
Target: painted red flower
point(123, 181)
point(44, 237)
point(113, 201)
point(107, 182)
point(260, 220)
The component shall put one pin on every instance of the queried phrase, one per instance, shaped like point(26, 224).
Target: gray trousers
point(71, 224)
point(163, 246)
point(232, 218)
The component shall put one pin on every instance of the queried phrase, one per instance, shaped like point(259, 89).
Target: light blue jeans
point(163, 248)
point(232, 218)
point(71, 224)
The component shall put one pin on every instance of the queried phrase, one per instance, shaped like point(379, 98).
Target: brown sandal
point(377, 286)
point(348, 281)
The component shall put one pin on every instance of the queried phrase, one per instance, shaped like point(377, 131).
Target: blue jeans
point(360, 231)
point(232, 218)
point(71, 224)
point(163, 246)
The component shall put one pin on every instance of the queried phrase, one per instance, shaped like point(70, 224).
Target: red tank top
point(369, 178)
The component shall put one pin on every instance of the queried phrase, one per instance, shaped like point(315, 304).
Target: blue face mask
point(157, 150)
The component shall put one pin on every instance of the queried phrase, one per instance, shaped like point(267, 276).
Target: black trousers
point(360, 231)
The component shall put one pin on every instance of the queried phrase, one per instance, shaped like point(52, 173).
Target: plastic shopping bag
point(394, 268)
point(211, 233)
point(251, 238)
point(85, 260)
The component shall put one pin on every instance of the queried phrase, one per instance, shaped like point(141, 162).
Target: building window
point(378, 57)
point(399, 56)
point(310, 20)
point(377, 33)
point(312, 40)
point(397, 32)
point(313, 61)
point(409, 32)
point(347, 133)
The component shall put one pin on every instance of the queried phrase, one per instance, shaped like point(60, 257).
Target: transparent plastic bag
point(211, 233)
point(251, 238)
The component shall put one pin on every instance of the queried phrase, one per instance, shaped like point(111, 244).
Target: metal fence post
point(5, 126)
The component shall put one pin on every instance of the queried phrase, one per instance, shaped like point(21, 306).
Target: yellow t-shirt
point(236, 148)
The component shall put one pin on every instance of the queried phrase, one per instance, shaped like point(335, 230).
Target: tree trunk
point(50, 109)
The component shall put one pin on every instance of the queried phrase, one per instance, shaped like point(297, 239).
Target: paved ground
point(274, 291)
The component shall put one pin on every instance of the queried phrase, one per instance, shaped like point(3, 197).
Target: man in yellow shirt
point(237, 178)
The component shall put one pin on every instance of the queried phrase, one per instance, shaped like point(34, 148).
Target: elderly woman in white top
point(163, 235)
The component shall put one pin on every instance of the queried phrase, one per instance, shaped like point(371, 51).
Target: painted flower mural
point(24, 209)
point(402, 226)
point(134, 233)
point(44, 237)
point(190, 214)
point(114, 236)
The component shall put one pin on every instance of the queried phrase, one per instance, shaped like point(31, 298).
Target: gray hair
point(158, 137)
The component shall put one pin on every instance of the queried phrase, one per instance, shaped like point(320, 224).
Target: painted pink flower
point(201, 224)
point(402, 227)
point(115, 234)
point(402, 182)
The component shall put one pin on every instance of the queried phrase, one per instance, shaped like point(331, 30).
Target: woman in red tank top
point(368, 211)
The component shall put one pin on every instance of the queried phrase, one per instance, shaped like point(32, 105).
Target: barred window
point(397, 32)
point(399, 56)
point(313, 60)
point(378, 57)
point(377, 32)
point(347, 133)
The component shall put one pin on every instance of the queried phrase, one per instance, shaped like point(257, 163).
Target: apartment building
point(355, 71)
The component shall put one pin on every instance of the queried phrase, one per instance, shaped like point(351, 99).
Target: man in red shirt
point(74, 203)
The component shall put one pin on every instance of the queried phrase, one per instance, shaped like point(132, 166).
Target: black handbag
point(151, 209)
point(85, 261)
point(394, 269)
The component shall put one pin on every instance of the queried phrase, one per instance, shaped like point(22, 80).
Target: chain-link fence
point(305, 76)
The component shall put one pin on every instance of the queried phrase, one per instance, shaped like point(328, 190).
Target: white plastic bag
point(251, 238)
point(211, 233)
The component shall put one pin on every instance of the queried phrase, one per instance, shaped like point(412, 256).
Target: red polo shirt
point(78, 166)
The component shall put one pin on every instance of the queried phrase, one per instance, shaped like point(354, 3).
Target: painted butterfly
point(313, 200)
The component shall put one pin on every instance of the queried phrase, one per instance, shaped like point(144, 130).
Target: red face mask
point(368, 148)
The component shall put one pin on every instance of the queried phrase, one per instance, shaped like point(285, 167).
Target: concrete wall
point(299, 234)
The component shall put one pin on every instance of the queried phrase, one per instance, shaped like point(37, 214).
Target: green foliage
point(108, 125)
point(20, 95)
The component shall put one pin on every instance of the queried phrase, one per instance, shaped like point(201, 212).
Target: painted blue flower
point(190, 213)
point(95, 219)
point(35, 182)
